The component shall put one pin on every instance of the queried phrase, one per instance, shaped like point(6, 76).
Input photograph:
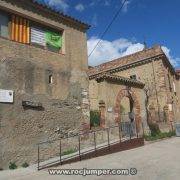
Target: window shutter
point(20, 29)
point(38, 36)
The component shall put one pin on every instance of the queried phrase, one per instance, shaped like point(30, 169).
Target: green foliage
point(25, 165)
point(154, 128)
point(94, 118)
point(69, 151)
point(12, 165)
point(160, 135)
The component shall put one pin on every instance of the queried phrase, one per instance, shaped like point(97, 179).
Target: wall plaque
point(6, 96)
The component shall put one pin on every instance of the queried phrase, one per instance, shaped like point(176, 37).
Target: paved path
point(155, 161)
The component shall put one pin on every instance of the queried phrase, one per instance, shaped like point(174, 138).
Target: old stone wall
point(25, 69)
point(158, 81)
point(177, 86)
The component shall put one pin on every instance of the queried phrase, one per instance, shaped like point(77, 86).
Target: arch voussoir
point(125, 93)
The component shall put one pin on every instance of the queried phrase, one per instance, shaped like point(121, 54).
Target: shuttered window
point(4, 22)
point(38, 36)
point(20, 29)
point(46, 38)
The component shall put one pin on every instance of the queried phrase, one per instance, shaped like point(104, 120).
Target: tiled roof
point(123, 61)
point(61, 14)
point(116, 78)
point(178, 73)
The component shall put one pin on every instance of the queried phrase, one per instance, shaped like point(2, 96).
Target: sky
point(151, 21)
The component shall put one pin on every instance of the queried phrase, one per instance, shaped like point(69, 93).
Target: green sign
point(53, 39)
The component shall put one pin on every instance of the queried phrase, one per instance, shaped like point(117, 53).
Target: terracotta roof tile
point(85, 25)
point(139, 56)
point(122, 79)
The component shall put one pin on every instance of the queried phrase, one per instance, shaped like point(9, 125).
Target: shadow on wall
point(32, 105)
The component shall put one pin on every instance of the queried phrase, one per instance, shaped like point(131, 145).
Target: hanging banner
point(20, 29)
point(53, 39)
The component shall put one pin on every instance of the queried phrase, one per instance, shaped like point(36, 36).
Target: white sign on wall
point(6, 96)
point(110, 109)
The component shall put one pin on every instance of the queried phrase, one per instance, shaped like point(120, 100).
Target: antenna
point(145, 43)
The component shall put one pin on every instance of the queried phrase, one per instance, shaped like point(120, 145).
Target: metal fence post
point(137, 133)
point(143, 129)
point(79, 147)
point(95, 142)
point(108, 138)
point(60, 152)
point(119, 132)
point(38, 158)
point(130, 130)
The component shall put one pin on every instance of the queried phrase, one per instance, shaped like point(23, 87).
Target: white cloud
point(100, 2)
point(107, 50)
point(80, 7)
point(126, 5)
point(174, 61)
point(57, 4)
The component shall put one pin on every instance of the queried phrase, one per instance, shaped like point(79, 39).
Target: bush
point(154, 128)
point(94, 118)
point(25, 165)
point(69, 151)
point(12, 165)
point(160, 135)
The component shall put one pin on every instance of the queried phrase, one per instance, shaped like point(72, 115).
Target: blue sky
point(156, 22)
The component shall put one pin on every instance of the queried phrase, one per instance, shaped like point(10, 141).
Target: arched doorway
point(126, 106)
point(129, 96)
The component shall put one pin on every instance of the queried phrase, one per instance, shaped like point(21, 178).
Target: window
point(50, 79)
point(48, 39)
point(133, 77)
point(22, 30)
point(4, 25)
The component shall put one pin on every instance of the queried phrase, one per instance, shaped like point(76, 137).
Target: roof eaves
point(70, 18)
point(93, 75)
point(120, 79)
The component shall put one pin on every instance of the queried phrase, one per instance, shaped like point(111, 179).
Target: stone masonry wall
point(25, 69)
point(155, 76)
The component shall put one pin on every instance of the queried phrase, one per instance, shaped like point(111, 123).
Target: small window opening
point(133, 77)
point(50, 79)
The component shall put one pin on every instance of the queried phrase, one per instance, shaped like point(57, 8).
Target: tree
point(149, 93)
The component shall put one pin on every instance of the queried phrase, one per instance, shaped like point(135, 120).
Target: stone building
point(158, 99)
point(115, 96)
point(43, 79)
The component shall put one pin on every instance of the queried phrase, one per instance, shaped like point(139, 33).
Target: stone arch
point(131, 95)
